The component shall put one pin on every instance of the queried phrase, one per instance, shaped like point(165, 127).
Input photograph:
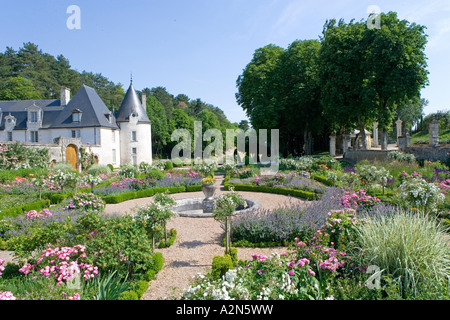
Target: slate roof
point(130, 105)
point(51, 109)
point(94, 111)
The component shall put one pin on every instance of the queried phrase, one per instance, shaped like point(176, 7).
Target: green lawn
point(423, 137)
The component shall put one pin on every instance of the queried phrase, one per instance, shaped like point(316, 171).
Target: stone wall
point(429, 153)
point(355, 156)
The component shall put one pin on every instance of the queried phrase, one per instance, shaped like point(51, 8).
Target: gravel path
point(198, 241)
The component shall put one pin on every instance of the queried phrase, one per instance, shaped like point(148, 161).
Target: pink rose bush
point(62, 264)
point(352, 199)
point(86, 201)
point(33, 214)
point(2, 267)
point(7, 295)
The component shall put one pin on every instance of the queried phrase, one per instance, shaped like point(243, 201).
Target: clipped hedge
point(220, 266)
point(322, 179)
point(284, 191)
point(170, 241)
point(193, 188)
point(36, 205)
point(141, 194)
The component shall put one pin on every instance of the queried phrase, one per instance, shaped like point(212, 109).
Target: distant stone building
point(67, 125)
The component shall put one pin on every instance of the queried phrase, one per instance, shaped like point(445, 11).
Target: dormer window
point(76, 115)
point(33, 116)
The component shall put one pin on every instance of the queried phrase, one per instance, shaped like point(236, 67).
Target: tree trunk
point(307, 137)
point(227, 234)
point(362, 134)
point(383, 136)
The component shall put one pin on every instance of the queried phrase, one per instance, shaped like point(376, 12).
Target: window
point(76, 134)
point(76, 117)
point(33, 116)
point(114, 155)
point(10, 136)
point(133, 136)
point(34, 136)
point(113, 136)
point(134, 155)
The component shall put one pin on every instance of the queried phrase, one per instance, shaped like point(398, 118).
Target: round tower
point(135, 130)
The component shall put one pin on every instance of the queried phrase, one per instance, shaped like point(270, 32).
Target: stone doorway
point(72, 156)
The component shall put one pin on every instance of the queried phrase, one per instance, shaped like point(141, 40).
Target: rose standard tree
point(224, 208)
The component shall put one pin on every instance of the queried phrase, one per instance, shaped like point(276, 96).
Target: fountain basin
point(193, 208)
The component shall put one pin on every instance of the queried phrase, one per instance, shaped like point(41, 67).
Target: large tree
point(342, 77)
point(18, 88)
point(396, 66)
point(366, 73)
point(299, 95)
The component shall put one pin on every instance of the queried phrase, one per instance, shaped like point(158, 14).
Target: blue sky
point(200, 47)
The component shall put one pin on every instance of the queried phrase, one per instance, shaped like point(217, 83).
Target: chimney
point(144, 101)
point(65, 96)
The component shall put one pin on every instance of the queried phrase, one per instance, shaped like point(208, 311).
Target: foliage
point(16, 156)
point(97, 169)
point(401, 156)
point(110, 287)
point(128, 171)
point(409, 246)
point(418, 193)
point(220, 266)
point(86, 202)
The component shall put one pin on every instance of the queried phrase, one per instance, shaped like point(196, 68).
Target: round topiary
point(158, 261)
point(177, 163)
point(168, 165)
point(129, 295)
point(154, 174)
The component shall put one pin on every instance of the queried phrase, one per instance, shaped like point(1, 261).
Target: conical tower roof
point(131, 105)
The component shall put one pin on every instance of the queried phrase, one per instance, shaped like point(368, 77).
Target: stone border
point(196, 204)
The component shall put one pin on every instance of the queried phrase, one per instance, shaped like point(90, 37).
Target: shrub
point(409, 246)
point(86, 201)
point(220, 265)
point(97, 169)
point(150, 275)
point(141, 287)
point(122, 235)
point(129, 295)
point(63, 166)
point(417, 193)
point(170, 241)
point(111, 167)
point(168, 165)
point(401, 156)
point(158, 262)
point(128, 171)
point(154, 174)
point(177, 163)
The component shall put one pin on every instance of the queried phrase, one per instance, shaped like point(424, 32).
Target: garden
point(368, 231)
point(375, 231)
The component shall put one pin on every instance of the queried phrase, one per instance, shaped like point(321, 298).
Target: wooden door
point(71, 156)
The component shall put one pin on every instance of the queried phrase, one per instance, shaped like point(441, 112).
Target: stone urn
point(209, 189)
